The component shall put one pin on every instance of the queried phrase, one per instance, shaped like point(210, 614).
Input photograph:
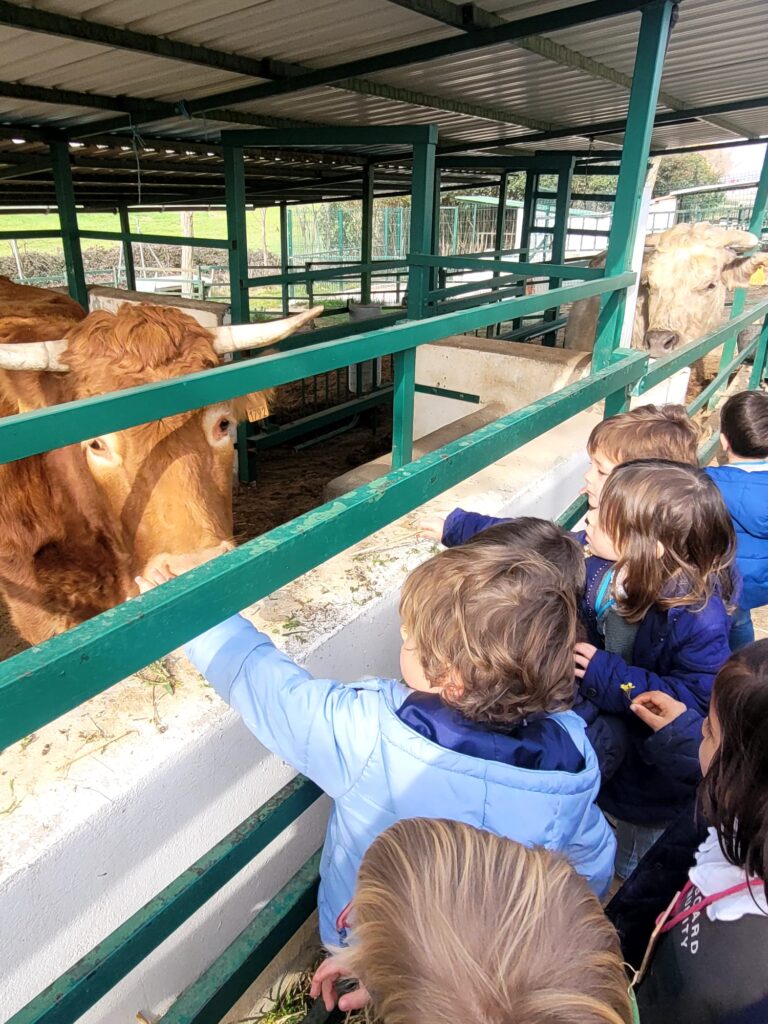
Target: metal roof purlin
point(468, 16)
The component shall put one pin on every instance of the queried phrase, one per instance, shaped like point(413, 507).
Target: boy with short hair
point(743, 483)
point(481, 729)
point(648, 432)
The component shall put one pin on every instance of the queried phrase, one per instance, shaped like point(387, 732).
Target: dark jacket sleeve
point(674, 749)
point(698, 646)
point(460, 526)
point(609, 737)
point(648, 891)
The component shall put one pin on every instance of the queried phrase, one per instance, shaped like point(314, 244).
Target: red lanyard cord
point(678, 915)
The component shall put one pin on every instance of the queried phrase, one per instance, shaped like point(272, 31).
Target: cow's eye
point(97, 445)
point(711, 286)
point(223, 424)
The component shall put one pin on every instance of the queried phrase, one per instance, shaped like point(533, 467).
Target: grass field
point(211, 224)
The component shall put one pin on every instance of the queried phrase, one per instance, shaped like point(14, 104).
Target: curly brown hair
point(502, 620)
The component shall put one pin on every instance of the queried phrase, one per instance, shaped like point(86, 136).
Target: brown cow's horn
point(239, 337)
point(34, 355)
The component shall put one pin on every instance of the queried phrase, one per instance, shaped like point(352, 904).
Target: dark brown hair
point(648, 432)
point(501, 618)
point(650, 502)
point(453, 924)
point(527, 535)
point(744, 422)
point(735, 788)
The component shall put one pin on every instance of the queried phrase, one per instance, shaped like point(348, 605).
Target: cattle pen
point(405, 141)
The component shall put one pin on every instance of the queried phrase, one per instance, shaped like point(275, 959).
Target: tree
point(686, 170)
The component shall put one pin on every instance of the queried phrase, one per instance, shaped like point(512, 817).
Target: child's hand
point(582, 655)
point(324, 983)
point(657, 709)
point(431, 528)
point(165, 567)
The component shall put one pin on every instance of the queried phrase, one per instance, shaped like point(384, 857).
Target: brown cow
point(683, 281)
point(78, 524)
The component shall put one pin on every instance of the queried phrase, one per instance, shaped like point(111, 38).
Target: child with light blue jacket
point(479, 730)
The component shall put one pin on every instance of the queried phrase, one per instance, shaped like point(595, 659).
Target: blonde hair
point(652, 502)
point(500, 619)
point(648, 432)
point(451, 924)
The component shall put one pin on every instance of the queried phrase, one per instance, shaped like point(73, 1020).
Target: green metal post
point(435, 245)
point(761, 354)
point(560, 236)
point(234, 193)
point(649, 63)
point(284, 253)
point(366, 238)
point(70, 236)
point(528, 214)
point(498, 237)
point(404, 363)
point(756, 227)
point(130, 270)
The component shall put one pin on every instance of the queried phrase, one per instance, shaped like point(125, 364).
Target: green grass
point(207, 224)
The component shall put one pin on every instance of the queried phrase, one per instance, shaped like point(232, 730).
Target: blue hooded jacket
point(381, 761)
point(746, 495)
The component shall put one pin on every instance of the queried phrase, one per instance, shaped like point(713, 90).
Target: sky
point(747, 159)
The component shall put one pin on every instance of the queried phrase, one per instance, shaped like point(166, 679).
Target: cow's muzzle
point(661, 343)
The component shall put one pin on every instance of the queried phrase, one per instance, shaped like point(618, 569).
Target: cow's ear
point(737, 270)
point(737, 241)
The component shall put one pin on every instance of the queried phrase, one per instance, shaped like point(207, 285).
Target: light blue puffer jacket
point(348, 739)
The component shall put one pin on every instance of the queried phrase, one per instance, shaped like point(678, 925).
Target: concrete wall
point(208, 314)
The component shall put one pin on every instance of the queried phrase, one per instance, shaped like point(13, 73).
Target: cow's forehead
point(687, 263)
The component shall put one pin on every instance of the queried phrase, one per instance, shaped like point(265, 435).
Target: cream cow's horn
point(239, 337)
point(34, 355)
point(736, 239)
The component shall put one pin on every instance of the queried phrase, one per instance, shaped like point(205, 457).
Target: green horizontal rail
point(476, 300)
point(31, 433)
point(219, 988)
point(722, 378)
point(571, 515)
point(132, 236)
point(87, 981)
point(566, 272)
point(663, 368)
point(348, 270)
point(45, 681)
point(461, 289)
point(318, 420)
point(15, 235)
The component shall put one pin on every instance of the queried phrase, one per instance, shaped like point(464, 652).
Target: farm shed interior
point(369, 98)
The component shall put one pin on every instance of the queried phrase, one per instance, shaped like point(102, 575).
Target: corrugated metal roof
point(508, 91)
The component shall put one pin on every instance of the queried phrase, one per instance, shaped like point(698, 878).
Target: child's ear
point(659, 549)
point(725, 444)
point(453, 688)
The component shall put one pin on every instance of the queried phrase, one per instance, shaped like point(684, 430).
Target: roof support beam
point(469, 16)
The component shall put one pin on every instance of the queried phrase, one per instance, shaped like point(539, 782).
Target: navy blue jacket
point(678, 651)
point(746, 495)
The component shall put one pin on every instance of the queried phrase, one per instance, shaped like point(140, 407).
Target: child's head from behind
point(734, 759)
point(648, 432)
point(454, 924)
point(492, 624)
point(744, 425)
point(668, 529)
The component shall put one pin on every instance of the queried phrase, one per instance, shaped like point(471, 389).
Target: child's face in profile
point(710, 739)
point(599, 542)
point(411, 668)
point(600, 468)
